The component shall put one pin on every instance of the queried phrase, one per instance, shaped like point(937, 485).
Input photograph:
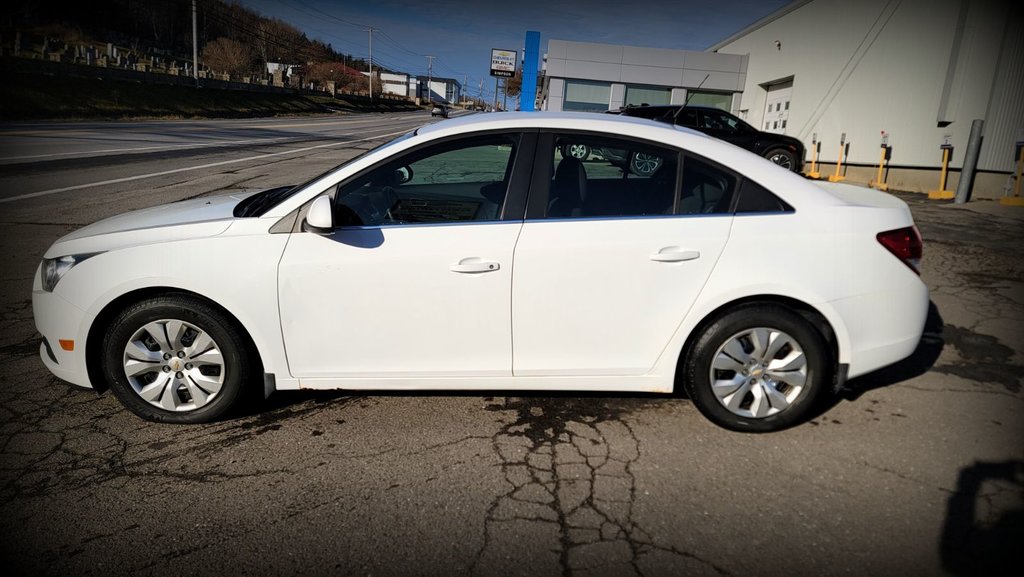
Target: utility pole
point(195, 46)
point(430, 72)
point(371, 31)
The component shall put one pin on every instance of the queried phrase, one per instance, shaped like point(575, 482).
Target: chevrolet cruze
point(474, 254)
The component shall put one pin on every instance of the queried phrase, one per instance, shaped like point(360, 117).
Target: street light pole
point(371, 31)
point(195, 46)
point(430, 72)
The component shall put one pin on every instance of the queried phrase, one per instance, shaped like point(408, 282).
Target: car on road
point(474, 255)
point(783, 150)
point(439, 110)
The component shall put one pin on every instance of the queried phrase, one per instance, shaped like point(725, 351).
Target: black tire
point(783, 158)
point(697, 367)
point(239, 364)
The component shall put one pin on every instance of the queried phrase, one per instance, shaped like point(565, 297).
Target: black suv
point(783, 150)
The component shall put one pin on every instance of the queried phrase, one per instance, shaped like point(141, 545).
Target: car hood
point(195, 218)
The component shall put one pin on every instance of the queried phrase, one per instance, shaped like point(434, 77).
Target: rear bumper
point(883, 328)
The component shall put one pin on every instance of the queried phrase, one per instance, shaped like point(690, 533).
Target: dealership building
point(919, 71)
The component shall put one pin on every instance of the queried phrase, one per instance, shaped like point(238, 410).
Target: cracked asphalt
point(917, 469)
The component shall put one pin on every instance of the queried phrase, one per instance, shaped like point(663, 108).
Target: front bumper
point(57, 319)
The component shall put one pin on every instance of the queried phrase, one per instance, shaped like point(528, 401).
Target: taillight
point(905, 244)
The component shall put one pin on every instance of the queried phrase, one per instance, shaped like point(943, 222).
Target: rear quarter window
point(755, 198)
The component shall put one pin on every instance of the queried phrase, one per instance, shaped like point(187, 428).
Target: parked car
point(783, 150)
point(439, 110)
point(714, 271)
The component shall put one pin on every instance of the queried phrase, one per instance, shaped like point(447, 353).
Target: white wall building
point(917, 69)
point(441, 89)
point(597, 77)
point(393, 83)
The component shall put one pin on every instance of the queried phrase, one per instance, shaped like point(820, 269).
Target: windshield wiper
point(256, 204)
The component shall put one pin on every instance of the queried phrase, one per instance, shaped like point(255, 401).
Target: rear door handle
point(675, 254)
point(474, 265)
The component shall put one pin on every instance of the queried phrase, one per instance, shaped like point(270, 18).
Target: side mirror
point(403, 175)
point(319, 218)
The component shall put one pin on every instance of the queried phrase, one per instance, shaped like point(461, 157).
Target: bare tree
point(227, 55)
point(514, 85)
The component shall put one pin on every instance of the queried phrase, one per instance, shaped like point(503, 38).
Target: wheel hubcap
point(646, 164)
point(781, 159)
point(758, 372)
point(577, 151)
point(174, 365)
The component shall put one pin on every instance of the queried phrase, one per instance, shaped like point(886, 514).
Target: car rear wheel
point(783, 158)
point(758, 368)
point(176, 359)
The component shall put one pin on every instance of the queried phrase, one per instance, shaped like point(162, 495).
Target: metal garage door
point(776, 108)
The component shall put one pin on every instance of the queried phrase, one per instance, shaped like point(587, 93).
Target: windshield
point(260, 203)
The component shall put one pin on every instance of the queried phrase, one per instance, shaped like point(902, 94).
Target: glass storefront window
point(713, 99)
point(650, 95)
point(586, 96)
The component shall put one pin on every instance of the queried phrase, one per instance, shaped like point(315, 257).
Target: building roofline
point(760, 23)
point(438, 78)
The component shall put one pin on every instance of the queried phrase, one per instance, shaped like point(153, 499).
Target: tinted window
point(717, 120)
point(756, 198)
point(596, 177)
point(451, 182)
point(707, 189)
point(688, 118)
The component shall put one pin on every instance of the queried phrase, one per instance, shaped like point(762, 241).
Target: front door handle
point(474, 265)
point(675, 254)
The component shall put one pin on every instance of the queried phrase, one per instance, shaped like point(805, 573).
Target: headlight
point(55, 268)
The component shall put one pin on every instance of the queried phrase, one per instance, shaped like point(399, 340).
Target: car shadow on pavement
point(566, 404)
point(985, 520)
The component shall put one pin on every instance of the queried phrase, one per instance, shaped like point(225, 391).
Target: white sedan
point(471, 254)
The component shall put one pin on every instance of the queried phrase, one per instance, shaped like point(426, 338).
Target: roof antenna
point(689, 95)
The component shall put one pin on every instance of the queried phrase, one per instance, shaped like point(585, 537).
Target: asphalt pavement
point(915, 470)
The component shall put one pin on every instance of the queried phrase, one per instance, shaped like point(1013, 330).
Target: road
point(916, 470)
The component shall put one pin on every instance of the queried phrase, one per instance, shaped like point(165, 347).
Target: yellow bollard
point(877, 183)
point(815, 145)
point(839, 165)
point(1016, 199)
point(942, 193)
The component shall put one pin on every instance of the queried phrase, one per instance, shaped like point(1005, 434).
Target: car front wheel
point(758, 368)
point(577, 151)
point(176, 359)
point(783, 158)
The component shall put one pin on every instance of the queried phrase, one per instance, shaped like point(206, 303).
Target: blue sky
point(461, 34)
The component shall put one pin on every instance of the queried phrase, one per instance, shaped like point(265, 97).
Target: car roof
point(668, 107)
point(553, 120)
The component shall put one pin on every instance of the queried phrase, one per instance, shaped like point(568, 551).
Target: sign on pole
point(503, 62)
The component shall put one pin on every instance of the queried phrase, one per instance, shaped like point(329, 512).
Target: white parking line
point(150, 148)
point(190, 168)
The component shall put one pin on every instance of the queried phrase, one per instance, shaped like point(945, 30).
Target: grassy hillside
point(37, 97)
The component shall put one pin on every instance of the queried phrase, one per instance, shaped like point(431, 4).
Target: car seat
point(568, 190)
